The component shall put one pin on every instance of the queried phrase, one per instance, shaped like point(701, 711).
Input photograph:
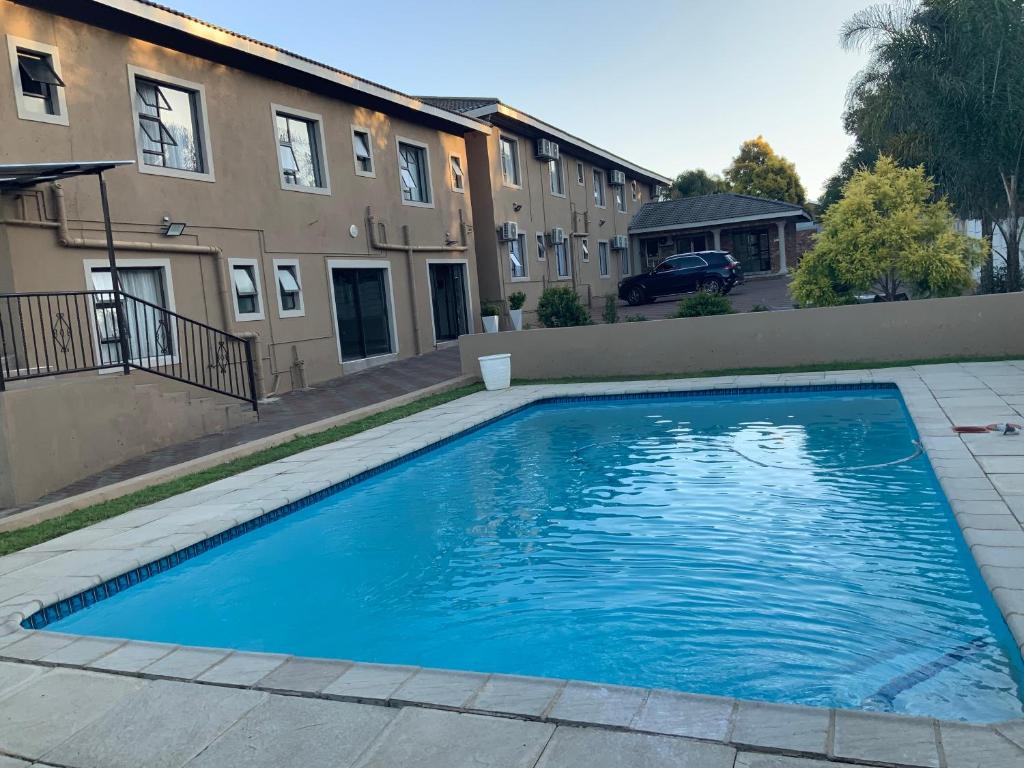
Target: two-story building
point(323, 215)
point(550, 208)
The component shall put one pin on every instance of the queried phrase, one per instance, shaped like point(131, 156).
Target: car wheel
point(712, 286)
point(635, 296)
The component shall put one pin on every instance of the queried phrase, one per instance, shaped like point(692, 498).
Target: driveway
point(770, 291)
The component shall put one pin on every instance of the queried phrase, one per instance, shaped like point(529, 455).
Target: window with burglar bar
point(413, 173)
point(168, 126)
point(298, 147)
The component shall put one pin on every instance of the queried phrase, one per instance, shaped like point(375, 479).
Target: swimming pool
point(791, 547)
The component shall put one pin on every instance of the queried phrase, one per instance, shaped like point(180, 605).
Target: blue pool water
point(639, 542)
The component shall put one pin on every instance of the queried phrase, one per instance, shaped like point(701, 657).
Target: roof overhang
point(503, 115)
point(18, 176)
point(180, 32)
point(721, 222)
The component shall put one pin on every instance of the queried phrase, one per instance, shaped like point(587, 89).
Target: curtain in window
point(149, 330)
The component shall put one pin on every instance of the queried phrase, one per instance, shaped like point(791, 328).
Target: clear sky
point(668, 84)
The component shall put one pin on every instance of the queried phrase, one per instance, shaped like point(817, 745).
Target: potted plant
point(496, 371)
point(515, 309)
point(489, 314)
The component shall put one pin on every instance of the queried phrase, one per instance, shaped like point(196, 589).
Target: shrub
point(561, 308)
point(704, 305)
point(760, 308)
point(488, 308)
point(636, 318)
point(516, 300)
point(611, 309)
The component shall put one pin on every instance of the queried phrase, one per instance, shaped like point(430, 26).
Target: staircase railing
point(57, 333)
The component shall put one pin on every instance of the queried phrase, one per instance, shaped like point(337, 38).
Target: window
point(556, 176)
point(509, 149)
point(170, 122)
point(38, 86)
point(414, 173)
point(562, 259)
point(602, 258)
point(579, 174)
point(517, 258)
point(620, 199)
point(752, 249)
point(624, 268)
point(584, 249)
point(599, 198)
point(363, 314)
point(150, 331)
point(458, 181)
point(245, 279)
point(300, 150)
point(289, 288)
point(542, 251)
point(636, 190)
point(362, 152)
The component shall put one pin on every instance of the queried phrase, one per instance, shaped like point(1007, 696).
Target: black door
point(361, 302)
point(448, 292)
point(750, 247)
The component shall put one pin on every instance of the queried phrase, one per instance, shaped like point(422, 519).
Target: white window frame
point(467, 294)
point(461, 175)
point(621, 203)
point(367, 362)
point(585, 250)
point(624, 259)
point(281, 311)
point(92, 265)
point(204, 126)
point(43, 49)
point(399, 141)
point(318, 122)
point(522, 243)
point(243, 317)
point(581, 174)
point(372, 173)
point(517, 183)
point(604, 270)
point(542, 247)
point(568, 260)
point(600, 186)
point(561, 172)
point(635, 189)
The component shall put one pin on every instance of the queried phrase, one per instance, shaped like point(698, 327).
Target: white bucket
point(496, 371)
point(516, 316)
point(490, 323)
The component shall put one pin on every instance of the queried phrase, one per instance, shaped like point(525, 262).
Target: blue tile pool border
point(64, 608)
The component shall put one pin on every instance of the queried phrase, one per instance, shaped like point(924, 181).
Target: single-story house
point(761, 234)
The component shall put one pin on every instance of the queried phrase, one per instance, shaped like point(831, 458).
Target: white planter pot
point(516, 315)
point(496, 371)
point(490, 323)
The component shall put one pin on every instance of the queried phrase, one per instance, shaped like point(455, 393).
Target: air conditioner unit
point(617, 178)
point(509, 231)
point(557, 236)
point(547, 149)
point(620, 242)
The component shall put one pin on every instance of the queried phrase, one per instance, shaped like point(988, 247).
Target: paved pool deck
point(83, 702)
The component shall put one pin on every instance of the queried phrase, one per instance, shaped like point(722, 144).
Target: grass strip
point(12, 541)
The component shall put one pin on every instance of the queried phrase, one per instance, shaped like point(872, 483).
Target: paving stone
point(517, 695)
point(760, 760)
point(291, 731)
point(376, 682)
point(780, 726)
point(1007, 578)
point(56, 705)
point(1000, 557)
point(12, 675)
point(423, 738)
point(132, 657)
point(161, 726)
point(83, 651)
point(1006, 522)
point(10, 762)
point(1000, 539)
point(604, 704)
point(1002, 464)
point(885, 738)
point(186, 663)
point(1014, 731)
point(680, 714)
point(441, 687)
point(243, 668)
point(596, 748)
point(37, 645)
point(307, 675)
point(967, 746)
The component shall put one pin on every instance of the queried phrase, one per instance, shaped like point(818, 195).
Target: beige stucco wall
point(244, 212)
point(936, 328)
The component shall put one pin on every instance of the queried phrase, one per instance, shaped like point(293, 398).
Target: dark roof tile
point(707, 208)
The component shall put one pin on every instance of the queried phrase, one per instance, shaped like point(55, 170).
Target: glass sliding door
point(448, 299)
point(752, 249)
point(361, 304)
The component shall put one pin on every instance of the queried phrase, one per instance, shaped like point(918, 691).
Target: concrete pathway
point(294, 409)
point(84, 702)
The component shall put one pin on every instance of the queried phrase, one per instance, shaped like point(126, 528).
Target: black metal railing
point(50, 334)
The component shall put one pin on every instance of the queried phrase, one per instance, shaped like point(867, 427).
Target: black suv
point(714, 272)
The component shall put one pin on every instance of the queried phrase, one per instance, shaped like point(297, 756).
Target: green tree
point(945, 88)
point(697, 182)
point(858, 157)
point(887, 235)
point(758, 171)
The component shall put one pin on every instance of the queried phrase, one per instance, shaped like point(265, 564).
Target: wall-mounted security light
point(174, 229)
